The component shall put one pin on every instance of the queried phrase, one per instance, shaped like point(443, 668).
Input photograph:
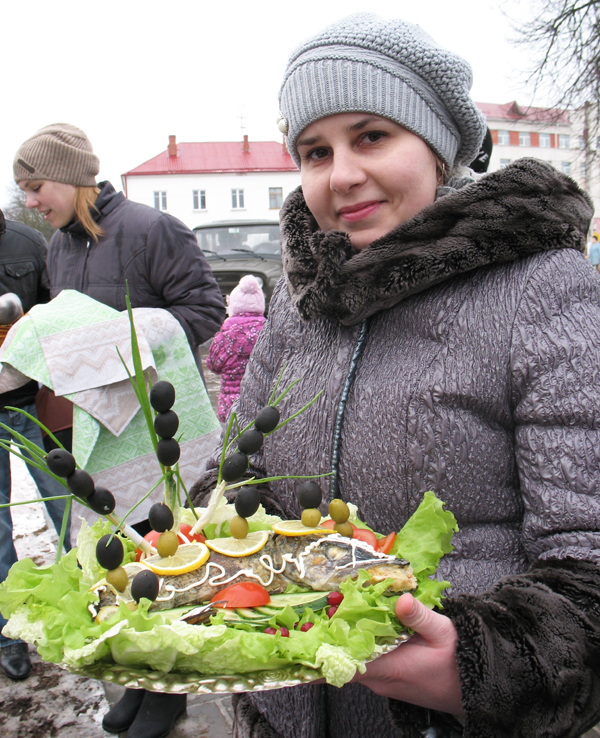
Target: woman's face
point(54, 200)
point(364, 174)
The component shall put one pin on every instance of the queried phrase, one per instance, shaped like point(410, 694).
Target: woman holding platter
point(447, 320)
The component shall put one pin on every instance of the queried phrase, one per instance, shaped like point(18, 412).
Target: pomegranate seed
point(270, 631)
point(285, 633)
point(335, 598)
point(306, 626)
point(331, 611)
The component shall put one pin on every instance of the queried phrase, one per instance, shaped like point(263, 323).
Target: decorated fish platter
point(223, 597)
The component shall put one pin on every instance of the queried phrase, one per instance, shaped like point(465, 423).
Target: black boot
point(15, 661)
point(123, 712)
point(157, 715)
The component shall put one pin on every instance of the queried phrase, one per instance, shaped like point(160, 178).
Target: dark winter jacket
point(156, 254)
point(22, 271)
point(466, 343)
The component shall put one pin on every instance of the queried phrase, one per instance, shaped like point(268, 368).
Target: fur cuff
point(529, 653)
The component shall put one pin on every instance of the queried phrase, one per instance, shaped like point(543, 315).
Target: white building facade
point(556, 136)
point(204, 182)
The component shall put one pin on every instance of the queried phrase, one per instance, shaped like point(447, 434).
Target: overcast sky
point(132, 72)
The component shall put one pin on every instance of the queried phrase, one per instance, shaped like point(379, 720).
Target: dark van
point(235, 248)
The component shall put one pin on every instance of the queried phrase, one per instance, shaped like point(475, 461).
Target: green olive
point(344, 529)
point(238, 527)
point(339, 511)
point(311, 517)
point(167, 544)
point(118, 578)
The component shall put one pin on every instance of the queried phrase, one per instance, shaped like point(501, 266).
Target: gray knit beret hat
point(364, 63)
point(59, 152)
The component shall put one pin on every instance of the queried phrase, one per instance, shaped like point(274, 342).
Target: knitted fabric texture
point(59, 153)
point(247, 297)
point(364, 63)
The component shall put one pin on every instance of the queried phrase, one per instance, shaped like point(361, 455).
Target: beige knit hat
point(59, 152)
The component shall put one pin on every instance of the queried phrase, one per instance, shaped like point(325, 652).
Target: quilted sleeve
point(555, 369)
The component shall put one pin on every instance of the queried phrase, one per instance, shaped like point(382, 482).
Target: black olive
point(101, 501)
point(267, 419)
point(309, 494)
point(61, 462)
point(234, 467)
point(162, 396)
point(167, 451)
point(166, 424)
point(80, 483)
point(145, 584)
point(250, 441)
point(247, 501)
point(160, 517)
point(111, 556)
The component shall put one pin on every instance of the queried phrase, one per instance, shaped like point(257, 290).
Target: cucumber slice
point(297, 599)
point(268, 611)
point(250, 613)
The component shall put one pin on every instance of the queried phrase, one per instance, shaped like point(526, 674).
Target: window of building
point(275, 198)
point(504, 162)
point(199, 197)
point(524, 138)
point(160, 200)
point(503, 138)
point(580, 142)
point(544, 140)
point(583, 169)
point(566, 167)
point(563, 141)
point(237, 199)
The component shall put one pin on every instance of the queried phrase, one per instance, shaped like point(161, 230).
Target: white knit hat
point(391, 68)
point(247, 297)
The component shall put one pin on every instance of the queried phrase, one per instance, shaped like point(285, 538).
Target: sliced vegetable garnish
point(384, 545)
point(242, 594)
point(362, 534)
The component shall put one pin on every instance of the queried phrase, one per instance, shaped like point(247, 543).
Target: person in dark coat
point(452, 324)
point(104, 244)
point(22, 273)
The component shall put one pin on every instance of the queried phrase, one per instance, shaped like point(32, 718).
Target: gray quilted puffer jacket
point(460, 354)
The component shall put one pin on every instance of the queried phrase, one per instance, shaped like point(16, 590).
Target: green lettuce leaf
point(423, 540)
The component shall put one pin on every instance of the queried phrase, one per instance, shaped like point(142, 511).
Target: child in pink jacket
point(232, 345)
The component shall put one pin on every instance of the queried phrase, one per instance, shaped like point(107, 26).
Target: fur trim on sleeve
point(529, 653)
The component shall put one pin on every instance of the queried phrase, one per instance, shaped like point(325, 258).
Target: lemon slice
point(252, 543)
point(188, 557)
point(296, 528)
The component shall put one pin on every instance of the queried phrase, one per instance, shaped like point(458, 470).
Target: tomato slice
point(384, 545)
point(184, 529)
point(330, 523)
point(242, 594)
point(362, 534)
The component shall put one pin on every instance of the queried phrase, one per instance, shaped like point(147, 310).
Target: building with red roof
point(204, 182)
point(556, 136)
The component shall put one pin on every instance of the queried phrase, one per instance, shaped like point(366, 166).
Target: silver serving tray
point(196, 683)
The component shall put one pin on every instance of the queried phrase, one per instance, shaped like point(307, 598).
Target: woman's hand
point(422, 671)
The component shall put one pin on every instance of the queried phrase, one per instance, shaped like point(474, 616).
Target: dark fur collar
point(525, 208)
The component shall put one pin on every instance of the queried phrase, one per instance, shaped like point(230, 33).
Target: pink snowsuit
point(229, 353)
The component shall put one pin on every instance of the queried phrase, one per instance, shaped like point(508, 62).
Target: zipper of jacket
point(359, 346)
point(87, 251)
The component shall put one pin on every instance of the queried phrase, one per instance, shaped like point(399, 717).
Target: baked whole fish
point(321, 563)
